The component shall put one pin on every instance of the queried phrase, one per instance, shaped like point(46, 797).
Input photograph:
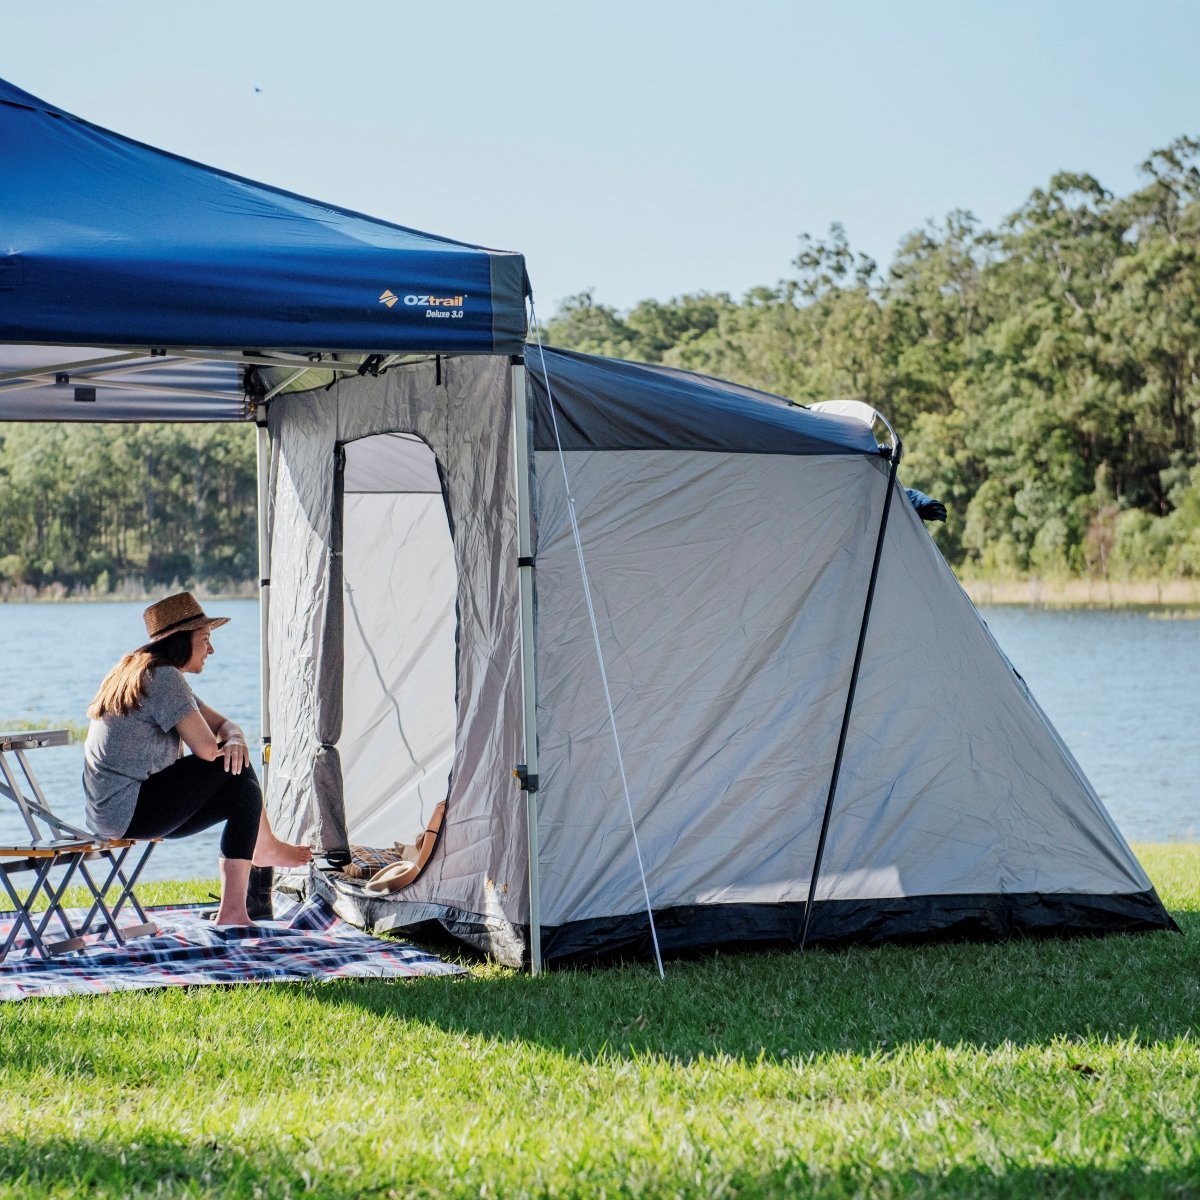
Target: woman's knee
point(242, 785)
point(236, 795)
point(214, 769)
point(247, 786)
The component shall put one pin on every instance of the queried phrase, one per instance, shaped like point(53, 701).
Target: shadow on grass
point(141, 1164)
point(783, 1004)
point(159, 1164)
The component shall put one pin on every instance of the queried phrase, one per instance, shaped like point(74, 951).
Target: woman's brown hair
point(125, 685)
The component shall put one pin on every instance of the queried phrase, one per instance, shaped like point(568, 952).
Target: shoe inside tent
point(819, 739)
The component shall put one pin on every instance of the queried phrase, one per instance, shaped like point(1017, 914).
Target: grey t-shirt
point(121, 753)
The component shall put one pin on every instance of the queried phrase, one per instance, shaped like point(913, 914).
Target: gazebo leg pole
point(263, 464)
point(528, 681)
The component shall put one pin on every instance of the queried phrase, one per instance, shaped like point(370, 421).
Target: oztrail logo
point(435, 306)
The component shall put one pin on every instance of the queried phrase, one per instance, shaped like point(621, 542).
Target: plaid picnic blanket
point(306, 941)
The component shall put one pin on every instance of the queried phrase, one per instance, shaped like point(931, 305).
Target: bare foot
point(275, 853)
point(232, 916)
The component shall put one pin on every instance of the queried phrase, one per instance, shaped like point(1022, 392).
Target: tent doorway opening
point(399, 590)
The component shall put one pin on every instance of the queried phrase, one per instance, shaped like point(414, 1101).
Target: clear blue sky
point(642, 149)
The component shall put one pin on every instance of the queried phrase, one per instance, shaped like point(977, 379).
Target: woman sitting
point(139, 784)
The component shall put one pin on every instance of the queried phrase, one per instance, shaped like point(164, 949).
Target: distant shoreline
point(1086, 593)
point(56, 593)
point(1029, 593)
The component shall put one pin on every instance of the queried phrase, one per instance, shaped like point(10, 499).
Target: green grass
point(76, 730)
point(1040, 1069)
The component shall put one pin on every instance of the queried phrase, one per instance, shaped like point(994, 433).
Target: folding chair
point(41, 857)
point(61, 844)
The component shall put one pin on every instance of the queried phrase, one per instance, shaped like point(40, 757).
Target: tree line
point(99, 508)
point(1045, 377)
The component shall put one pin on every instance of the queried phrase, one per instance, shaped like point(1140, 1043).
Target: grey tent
point(808, 705)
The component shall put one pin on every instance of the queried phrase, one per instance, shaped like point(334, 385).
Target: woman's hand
point(236, 754)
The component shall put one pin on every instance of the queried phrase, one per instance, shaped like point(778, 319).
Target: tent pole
point(528, 682)
point(263, 464)
point(858, 654)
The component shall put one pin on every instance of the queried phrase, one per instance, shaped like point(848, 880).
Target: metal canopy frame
point(110, 371)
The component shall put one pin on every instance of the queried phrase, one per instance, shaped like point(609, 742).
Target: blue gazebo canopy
point(132, 254)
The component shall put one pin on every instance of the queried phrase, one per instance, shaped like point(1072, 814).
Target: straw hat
point(176, 614)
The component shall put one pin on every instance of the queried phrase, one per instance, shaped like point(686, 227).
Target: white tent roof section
point(856, 410)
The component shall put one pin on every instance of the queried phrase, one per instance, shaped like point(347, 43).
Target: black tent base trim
point(691, 929)
point(906, 919)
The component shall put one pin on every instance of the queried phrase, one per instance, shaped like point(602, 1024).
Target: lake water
point(1120, 686)
point(54, 658)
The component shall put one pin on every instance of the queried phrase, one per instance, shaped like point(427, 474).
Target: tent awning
point(111, 243)
point(610, 404)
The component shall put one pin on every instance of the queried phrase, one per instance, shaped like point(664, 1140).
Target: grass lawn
point(1040, 1069)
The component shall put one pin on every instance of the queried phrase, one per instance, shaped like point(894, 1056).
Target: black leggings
point(192, 794)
